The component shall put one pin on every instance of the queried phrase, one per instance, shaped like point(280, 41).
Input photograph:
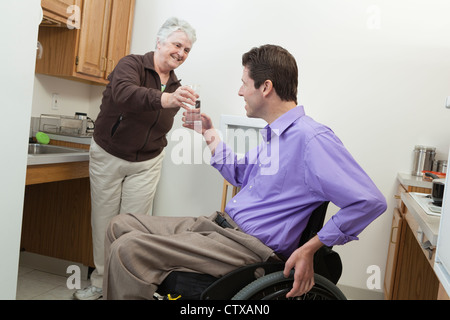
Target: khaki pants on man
point(142, 250)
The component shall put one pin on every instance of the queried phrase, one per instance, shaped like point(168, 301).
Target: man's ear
point(267, 87)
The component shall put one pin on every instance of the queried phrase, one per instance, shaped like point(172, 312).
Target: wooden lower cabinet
point(57, 220)
point(57, 210)
point(409, 274)
point(393, 254)
point(416, 278)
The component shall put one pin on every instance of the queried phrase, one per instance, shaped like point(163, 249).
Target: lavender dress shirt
point(300, 164)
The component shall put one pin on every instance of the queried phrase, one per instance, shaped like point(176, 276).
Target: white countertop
point(80, 140)
point(57, 158)
point(408, 179)
point(429, 224)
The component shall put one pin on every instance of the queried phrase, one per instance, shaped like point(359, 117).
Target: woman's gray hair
point(174, 24)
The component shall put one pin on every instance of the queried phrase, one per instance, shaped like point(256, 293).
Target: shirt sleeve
point(333, 174)
point(127, 90)
point(227, 163)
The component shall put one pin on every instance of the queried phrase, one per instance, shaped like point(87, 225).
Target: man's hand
point(206, 129)
point(302, 260)
point(202, 127)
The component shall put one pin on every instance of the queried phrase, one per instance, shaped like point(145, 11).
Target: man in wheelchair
point(300, 166)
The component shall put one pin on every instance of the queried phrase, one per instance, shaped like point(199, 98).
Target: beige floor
point(33, 284)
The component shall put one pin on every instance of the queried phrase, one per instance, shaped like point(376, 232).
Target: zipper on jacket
point(158, 115)
point(148, 134)
point(116, 125)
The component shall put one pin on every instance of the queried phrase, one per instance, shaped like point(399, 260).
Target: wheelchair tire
point(275, 286)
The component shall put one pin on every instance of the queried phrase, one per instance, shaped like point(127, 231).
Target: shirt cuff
point(330, 235)
point(218, 157)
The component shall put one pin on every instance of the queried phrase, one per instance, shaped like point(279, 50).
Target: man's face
point(252, 97)
point(175, 49)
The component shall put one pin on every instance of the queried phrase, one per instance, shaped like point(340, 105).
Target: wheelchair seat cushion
point(188, 285)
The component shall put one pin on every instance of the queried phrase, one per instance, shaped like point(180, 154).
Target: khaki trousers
point(142, 250)
point(117, 186)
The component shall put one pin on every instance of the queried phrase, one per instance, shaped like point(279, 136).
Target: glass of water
point(194, 114)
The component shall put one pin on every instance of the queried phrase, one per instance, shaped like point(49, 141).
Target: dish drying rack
point(63, 125)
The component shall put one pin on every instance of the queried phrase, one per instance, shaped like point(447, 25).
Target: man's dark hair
point(274, 63)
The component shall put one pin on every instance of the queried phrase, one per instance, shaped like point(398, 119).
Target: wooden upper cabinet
point(56, 13)
point(120, 28)
point(91, 52)
point(94, 37)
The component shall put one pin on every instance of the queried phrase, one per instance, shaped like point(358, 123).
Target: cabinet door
point(392, 259)
point(415, 278)
point(57, 220)
point(122, 13)
point(93, 41)
point(55, 11)
point(91, 52)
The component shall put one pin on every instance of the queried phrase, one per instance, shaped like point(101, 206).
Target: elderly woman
point(127, 149)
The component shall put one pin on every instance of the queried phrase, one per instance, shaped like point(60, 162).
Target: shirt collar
point(149, 62)
point(282, 123)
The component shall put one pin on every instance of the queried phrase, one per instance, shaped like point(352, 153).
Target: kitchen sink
point(37, 149)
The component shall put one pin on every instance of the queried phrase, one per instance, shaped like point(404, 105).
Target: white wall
point(73, 96)
point(377, 72)
point(18, 33)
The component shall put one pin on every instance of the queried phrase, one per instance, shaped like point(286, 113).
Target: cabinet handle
point(392, 233)
point(397, 197)
point(428, 247)
point(104, 63)
point(112, 65)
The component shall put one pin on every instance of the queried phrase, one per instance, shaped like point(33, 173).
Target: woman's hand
point(178, 99)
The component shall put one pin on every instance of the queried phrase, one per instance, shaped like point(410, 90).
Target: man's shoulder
point(307, 127)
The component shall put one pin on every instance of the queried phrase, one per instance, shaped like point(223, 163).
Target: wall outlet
point(447, 102)
point(55, 101)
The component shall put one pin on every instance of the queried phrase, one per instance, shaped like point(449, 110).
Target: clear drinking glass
point(193, 115)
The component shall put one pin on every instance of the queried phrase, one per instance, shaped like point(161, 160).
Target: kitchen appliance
point(426, 203)
point(437, 193)
point(86, 121)
point(79, 125)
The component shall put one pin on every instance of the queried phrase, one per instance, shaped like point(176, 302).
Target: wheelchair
point(261, 281)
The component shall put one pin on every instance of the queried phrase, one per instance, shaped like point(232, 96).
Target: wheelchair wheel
point(275, 286)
